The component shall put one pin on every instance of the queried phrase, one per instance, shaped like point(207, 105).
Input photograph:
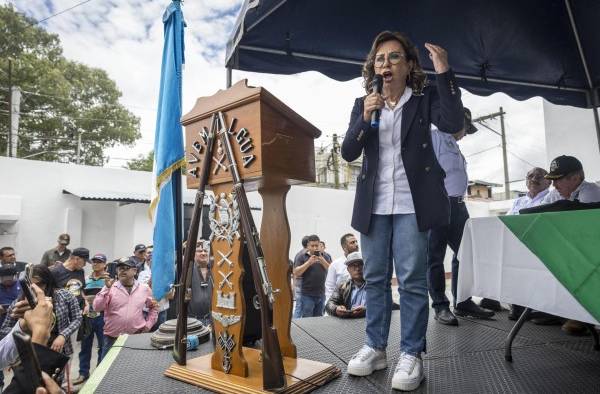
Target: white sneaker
point(366, 361)
point(409, 373)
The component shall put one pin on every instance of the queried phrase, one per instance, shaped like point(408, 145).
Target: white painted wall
point(571, 131)
point(114, 228)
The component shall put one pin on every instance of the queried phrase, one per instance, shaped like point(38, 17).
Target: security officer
point(453, 162)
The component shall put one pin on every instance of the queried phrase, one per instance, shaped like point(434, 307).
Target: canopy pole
point(585, 69)
point(597, 122)
point(228, 77)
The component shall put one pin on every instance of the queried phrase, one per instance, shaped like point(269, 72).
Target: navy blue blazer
point(439, 105)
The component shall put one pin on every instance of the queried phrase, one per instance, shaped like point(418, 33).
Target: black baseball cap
point(563, 165)
point(139, 248)
point(100, 257)
point(126, 261)
point(81, 252)
point(469, 127)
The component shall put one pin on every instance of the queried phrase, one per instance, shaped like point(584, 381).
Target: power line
point(62, 12)
point(523, 160)
point(37, 93)
point(484, 150)
point(40, 112)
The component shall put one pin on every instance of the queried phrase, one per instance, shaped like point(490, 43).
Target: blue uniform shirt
point(7, 295)
point(452, 161)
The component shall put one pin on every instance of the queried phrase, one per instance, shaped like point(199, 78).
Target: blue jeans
point(162, 317)
point(85, 355)
point(309, 306)
point(396, 239)
point(107, 344)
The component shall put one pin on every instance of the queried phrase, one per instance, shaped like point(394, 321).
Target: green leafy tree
point(62, 99)
point(142, 162)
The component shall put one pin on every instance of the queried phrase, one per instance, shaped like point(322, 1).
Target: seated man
point(349, 298)
point(568, 179)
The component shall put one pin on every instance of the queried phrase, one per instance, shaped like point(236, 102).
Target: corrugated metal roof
point(124, 196)
point(189, 196)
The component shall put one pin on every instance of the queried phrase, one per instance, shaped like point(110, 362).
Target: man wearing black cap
point(59, 253)
point(140, 255)
point(93, 284)
point(70, 275)
point(454, 164)
point(568, 179)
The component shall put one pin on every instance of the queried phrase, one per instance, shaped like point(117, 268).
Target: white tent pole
point(592, 98)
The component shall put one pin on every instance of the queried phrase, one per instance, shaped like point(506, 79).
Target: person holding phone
point(122, 302)
point(33, 330)
point(66, 309)
point(310, 271)
point(93, 319)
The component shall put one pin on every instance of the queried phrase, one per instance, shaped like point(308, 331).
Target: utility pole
point(504, 158)
point(502, 135)
point(336, 163)
point(78, 147)
point(9, 140)
point(15, 113)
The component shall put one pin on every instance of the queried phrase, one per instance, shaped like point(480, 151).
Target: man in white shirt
point(537, 186)
point(568, 178)
point(338, 272)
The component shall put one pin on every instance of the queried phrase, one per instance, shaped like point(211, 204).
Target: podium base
point(302, 375)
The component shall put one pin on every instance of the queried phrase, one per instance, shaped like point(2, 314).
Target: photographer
point(310, 271)
point(38, 323)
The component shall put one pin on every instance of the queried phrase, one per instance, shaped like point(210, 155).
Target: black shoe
point(492, 305)
point(546, 319)
point(515, 312)
point(470, 309)
point(444, 316)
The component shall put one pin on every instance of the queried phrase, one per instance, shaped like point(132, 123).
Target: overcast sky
point(124, 37)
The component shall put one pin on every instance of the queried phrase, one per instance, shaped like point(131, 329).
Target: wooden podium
point(274, 148)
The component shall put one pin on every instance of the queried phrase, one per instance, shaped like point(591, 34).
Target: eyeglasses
point(535, 176)
point(393, 58)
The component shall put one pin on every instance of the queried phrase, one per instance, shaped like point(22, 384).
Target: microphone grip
point(377, 87)
point(375, 118)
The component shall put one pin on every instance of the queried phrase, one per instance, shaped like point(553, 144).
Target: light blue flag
point(168, 153)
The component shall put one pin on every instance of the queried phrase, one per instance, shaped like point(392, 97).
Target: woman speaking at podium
point(400, 192)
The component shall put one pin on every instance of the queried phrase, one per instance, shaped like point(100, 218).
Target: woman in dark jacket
point(400, 194)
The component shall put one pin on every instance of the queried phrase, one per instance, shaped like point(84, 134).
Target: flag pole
point(177, 198)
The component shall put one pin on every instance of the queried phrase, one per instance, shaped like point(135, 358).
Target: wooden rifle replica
point(180, 346)
point(272, 362)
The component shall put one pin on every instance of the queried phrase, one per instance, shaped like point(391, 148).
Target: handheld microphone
point(376, 86)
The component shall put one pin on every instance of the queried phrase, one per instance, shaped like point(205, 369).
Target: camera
point(316, 253)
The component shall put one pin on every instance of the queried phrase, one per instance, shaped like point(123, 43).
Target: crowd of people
point(409, 208)
point(114, 298)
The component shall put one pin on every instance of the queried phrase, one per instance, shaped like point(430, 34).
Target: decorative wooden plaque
point(273, 147)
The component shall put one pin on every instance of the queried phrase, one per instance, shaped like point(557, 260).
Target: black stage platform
point(464, 359)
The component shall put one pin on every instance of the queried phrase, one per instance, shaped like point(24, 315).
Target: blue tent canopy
point(524, 48)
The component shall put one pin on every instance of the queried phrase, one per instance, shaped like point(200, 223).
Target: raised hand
point(439, 57)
